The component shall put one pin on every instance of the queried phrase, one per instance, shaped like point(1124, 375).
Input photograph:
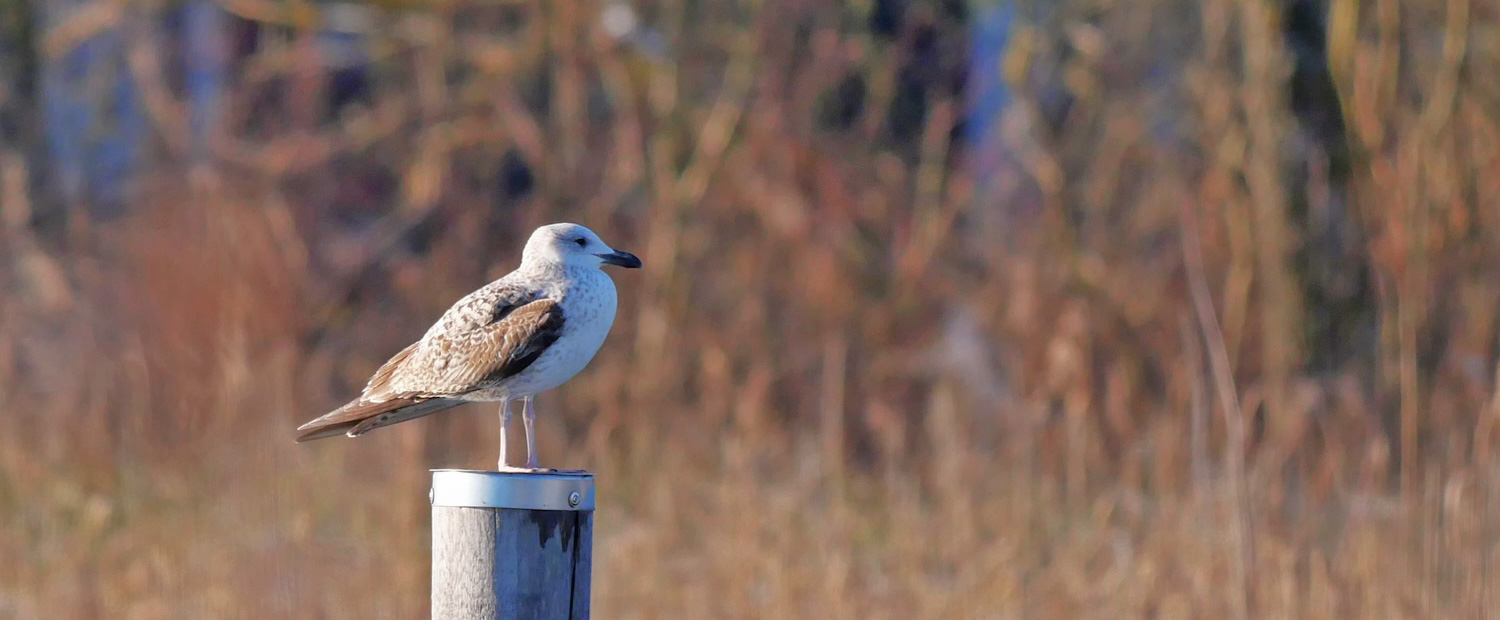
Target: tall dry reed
point(1178, 348)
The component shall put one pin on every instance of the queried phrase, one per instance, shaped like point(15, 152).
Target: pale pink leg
point(528, 415)
point(504, 421)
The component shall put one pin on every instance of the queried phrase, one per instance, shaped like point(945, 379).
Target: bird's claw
point(511, 469)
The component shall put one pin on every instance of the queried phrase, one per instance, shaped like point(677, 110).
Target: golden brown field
point(1179, 352)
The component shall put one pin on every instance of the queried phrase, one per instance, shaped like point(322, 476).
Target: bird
point(528, 332)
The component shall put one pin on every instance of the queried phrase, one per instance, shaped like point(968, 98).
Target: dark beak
point(622, 259)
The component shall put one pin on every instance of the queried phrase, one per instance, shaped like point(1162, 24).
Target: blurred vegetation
point(1202, 324)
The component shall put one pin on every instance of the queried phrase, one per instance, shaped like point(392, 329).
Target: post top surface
point(514, 490)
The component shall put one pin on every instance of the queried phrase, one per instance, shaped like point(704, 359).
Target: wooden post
point(511, 546)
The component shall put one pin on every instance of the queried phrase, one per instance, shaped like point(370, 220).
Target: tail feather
point(409, 412)
point(321, 432)
point(359, 416)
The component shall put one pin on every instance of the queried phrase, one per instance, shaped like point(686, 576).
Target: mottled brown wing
point(452, 363)
point(444, 365)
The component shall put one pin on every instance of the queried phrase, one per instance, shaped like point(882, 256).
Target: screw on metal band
point(522, 491)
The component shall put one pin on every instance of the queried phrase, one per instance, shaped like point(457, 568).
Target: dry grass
point(1172, 356)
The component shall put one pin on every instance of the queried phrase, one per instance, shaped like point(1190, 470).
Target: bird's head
point(572, 245)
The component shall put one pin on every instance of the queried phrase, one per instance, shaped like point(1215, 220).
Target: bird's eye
point(581, 242)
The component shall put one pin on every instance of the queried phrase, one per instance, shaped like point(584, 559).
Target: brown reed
point(856, 379)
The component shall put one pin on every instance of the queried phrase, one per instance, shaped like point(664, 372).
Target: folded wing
point(472, 348)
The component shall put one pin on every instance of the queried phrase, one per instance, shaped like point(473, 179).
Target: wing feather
point(450, 363)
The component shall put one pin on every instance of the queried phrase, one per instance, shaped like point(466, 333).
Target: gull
point(526, 333)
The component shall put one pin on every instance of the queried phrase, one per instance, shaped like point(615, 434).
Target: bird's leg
point(504, 421)
point(528, 416)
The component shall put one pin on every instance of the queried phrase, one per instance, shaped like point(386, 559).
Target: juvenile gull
point(523, 334)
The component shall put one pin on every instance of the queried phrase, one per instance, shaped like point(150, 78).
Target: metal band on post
point(520, 491)
point(511, 545)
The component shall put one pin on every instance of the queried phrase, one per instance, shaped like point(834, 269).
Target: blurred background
point(991, 309)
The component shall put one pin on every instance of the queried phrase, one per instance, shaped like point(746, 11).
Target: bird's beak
point(622, 259)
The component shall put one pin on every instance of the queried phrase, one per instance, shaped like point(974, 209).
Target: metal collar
point(521, 491)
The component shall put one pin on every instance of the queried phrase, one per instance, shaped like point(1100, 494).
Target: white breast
point(587, 299)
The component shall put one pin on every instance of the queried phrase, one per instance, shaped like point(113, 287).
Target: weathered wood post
point(511, 546)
